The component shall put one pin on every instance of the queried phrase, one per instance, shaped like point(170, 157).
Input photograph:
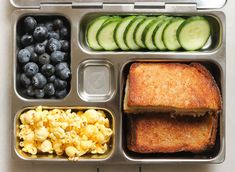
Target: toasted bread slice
point(161, 133)
point(171, 87)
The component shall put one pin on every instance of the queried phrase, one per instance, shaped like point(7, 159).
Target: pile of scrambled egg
point(64, 131)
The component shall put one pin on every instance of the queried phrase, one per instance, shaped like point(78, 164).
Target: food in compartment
point(193, 33)
point(103, 36)
point(64, 132)
point(171, 107)
point(43, 57)
point(169, 34)
point(162, 133)
point(119, 32)
point(92, 30)
point(129, 37)
point(175, 87)
point(148, 33)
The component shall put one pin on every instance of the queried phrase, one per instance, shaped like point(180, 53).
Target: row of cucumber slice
point(153, 33)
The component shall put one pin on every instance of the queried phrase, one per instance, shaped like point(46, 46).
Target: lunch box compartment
point(54, 157)
point(212, 44)
point(20, 30)
point(187, 156)
point(217, 73)
point(96, 80)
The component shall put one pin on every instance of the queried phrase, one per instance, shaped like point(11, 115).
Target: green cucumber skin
point(138, 18)
point(151, 26)
point(189, 20)
point(196, 45)
point(88, 28)
point(164, 22)
point(176, 19)
point(111, 20)
point(154, 32)
point(125, 47)
point(144, 22)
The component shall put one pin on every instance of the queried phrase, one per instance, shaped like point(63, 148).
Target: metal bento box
point(98, 77)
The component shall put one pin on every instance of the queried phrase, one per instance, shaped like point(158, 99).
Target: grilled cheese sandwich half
point(171, 87)
point(161, 133)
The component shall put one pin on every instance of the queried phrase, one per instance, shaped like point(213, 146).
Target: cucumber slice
point(129, 33)
point(92, 31)
point(194, 33)
point(105, 35)
point(169, 34)
point(140, 29)
point(157, 33)
point(148, 33)
point(119, 32)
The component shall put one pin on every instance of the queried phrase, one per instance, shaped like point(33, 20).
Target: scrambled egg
point(64, 132)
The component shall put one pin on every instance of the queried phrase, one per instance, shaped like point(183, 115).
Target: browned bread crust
point(171, 86)
point(161, 133)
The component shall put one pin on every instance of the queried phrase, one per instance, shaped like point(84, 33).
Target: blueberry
point(60, 84)
point(54, 45)
point(54, 35)
point(26, 40)
point(24, 80)
point(58, 24)
point(39, 93)
point(40, 48)
point(30, 24)
point(60, 93)
point(66, 56)
point(45, 43)
point(41, 25)
point(40, 33)
point(48, 70)
point(30, 48)
point(39, 80)
point(49, 89)
point(30, 91)
point(65, 73)
point(64, 45)
point(59, 67)
point(31, 69)
point(34, 57)
point(64, 33)
point(44, 59)
point(49, 26)
point(51, 79)
point(57, 57)
point(24, 56)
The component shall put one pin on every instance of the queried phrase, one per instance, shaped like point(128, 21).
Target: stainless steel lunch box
point(107, 92)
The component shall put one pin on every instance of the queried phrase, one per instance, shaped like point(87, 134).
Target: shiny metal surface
point(95, 80)
point(201, 4)
point(213, 57)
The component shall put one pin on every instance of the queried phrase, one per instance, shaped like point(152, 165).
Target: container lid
point(201, 4)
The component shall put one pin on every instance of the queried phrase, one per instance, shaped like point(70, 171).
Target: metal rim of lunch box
point(200, 4)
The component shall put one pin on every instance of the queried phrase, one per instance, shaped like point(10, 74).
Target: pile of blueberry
point(43, 58)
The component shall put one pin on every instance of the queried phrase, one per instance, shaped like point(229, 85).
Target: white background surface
point(9, 165)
